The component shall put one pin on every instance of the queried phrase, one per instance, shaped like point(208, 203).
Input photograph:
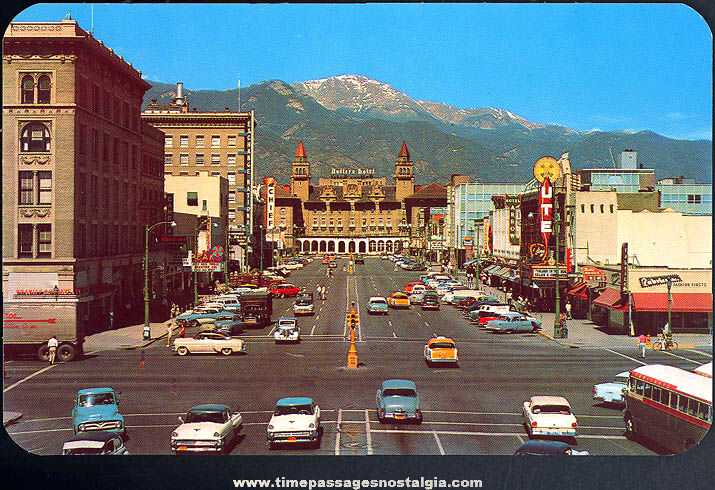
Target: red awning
point(579, 289)
point(682, 302)
point(611, 299)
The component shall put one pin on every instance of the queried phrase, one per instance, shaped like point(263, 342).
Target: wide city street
point(473, 408)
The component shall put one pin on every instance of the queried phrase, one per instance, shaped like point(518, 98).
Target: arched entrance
point(341, 247)
point(351, 246)
point(361, 247)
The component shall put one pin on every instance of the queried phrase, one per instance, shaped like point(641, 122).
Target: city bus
point(705, 370)
point(670, 406)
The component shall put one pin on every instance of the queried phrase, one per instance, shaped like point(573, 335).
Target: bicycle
point(665, 344)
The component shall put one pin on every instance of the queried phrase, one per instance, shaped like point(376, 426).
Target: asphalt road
point(474, 408)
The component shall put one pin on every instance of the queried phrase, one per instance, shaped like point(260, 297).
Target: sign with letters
point(546, 211)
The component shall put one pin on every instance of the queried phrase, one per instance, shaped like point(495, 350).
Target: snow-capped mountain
point(365, 96)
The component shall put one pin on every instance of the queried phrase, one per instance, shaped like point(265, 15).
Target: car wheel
point(182, 351)
point(226, 351)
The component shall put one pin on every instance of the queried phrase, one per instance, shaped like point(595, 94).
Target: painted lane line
point(337, 435)
point(521, 439)
point(294, 355)
point(627, 357)
point(5, 390)
point(394, 335)
point(684, 358)
point(439, 443)
point(272, 330)
point(368, 435)
point(466, 433)
point(313, 331)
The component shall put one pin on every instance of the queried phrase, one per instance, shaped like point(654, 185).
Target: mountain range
point(351, 121)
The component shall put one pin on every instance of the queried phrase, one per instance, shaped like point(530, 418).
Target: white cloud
point(676, 116)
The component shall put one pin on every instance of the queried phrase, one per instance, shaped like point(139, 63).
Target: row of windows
point(683, 198)
point(199, 159)
point(602, 207)
point(31, 91)
point(199, 141)
point(668, 398)
point(107, 105)
point(387, 222)
point(231, 176)
point(106, 239)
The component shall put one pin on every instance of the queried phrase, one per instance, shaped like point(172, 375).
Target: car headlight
point(270, 426)
point(80, 427)
point(216, 434)
point(174, 434)
point(311, 425)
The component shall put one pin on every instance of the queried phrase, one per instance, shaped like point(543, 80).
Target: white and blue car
point(614, 391)
point(97, 409)
point(397, 399)
point(509, 322)
point(377, 305)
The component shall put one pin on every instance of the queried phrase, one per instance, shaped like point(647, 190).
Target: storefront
point(610, 309)
point(689, 300)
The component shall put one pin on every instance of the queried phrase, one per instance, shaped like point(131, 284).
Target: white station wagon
point(549, 416)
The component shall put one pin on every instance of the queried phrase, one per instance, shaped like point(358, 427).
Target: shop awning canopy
point(611, 299)
point(514, 277)
point(491, 269)
point(681, 302)
point(502, 272)
point(579, 289)
point(470, 262)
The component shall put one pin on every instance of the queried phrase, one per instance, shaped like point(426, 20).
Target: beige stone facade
point(82, 174)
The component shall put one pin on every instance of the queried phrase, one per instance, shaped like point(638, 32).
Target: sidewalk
point(131, 337)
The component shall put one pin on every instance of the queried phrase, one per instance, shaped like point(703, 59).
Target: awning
point(504, 272)
point(681, 302)
point(514, 277)
point(471, 261)
point(491, 269)
point(579, 289)
point(611, 299)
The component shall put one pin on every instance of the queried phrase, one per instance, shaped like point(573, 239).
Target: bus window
point(692, 407)
point(683, 403)
point(647, 392)
point(656, 394)
point(674, 400)
point(664, 397)
point(639, 386)
point(702, 411)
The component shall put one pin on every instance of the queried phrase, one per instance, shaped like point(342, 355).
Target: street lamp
point(147, 229)
point(227, 256)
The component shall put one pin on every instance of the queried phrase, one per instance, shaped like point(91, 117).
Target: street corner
point(9, 418)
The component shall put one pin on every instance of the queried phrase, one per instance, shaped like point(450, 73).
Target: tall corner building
point(82, 176)
point(215, 143)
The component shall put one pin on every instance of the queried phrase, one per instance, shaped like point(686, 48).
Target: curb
point(10, 418)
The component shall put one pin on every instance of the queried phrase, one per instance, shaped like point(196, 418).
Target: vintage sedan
point(430, 301)
point(229, 324)
point(209, 343)
point(97, 409)
point(377, 305)
point(549, 416)
point(304, 305)
point(287, 330)
point(411, 284)
point(294, 420)
point(200, 315)
point(513, 322)
point(293, 265)
point(538, 447)
point(441, 350)
point(398, 300)
point(206, 428)
point(397, 399)
point(613, 392)
point(91, 443)
point(284, 290)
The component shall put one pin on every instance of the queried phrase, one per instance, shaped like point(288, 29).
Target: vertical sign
point(169, 212)
point(512, 202)
point(545, 212)
point(624, 266)
point(270, 183)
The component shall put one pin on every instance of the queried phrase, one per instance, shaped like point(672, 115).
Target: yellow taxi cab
point(441, 350)
point(398, 300)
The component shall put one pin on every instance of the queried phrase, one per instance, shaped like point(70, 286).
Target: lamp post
point(260, 237)
point(147, 229)
point(670, 301)
point(560, 329)
point(227, 256)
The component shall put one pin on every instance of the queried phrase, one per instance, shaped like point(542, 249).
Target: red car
point(410, 285)
point(284, 290)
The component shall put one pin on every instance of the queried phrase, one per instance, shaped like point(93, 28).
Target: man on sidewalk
point(568, 310)
point(641, 344)
point(169, 328)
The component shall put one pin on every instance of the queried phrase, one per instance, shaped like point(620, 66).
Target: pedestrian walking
point(568, 310)
point(52, 346)
point(508, 297)
point(169, 329)
point(182, 331)
point(641, 344)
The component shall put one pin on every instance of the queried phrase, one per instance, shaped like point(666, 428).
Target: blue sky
point(608, 66)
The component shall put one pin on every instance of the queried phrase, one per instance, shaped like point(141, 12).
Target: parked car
point(200, 315)
point(490, 310)
point(476, 305)
point(91, 443)
point(549, 416)
point(97, 409)
point(294, 420)
point(287, 330)
point(398, 300)
point(411, 284)
point(284, 290)
point(441, 350)
point(206, 428)
point(333, 264)
point(513, 322)
point(209, 343)
point(614, 391)
point(430, 301)
point(229, 324)
point(377, 305)
point(293, 265)
point(304, 304)
point(397, 399)
point(538, 447)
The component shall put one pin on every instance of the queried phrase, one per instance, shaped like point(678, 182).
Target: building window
point(215, 141)
point(601, 208)
point(215, 174)
point(24, 241)
point(199, 159)
point(28, 90)
point(43, 90)
point(694, 198)
point(27, 188)
point(44, 240)
point(105, 147)
point(231, 214)
point(231, 196)
point(200, 141)
point(231, 159)
point(184, 159)
point(35, 137)
point(184, 141)
point(611, 208)
point(231, 141)
point(231, 178)
point(168, 141)
point(45, 187)
point(183, 173)
point(315, 222)
point(167, 158)
point(592, 208)
point(215, 159)
point(192, 198)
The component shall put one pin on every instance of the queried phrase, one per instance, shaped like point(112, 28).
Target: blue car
point(377, 305)
point(397, 399)
point(512, 321)
point(97, 409)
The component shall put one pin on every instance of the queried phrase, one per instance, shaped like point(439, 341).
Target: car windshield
point(399, 392)
point(442, 345)
point(562, 409)
point(96, 399)
point(215, 417)
point(303, 302)
point(84, 450)
point(293, 409)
